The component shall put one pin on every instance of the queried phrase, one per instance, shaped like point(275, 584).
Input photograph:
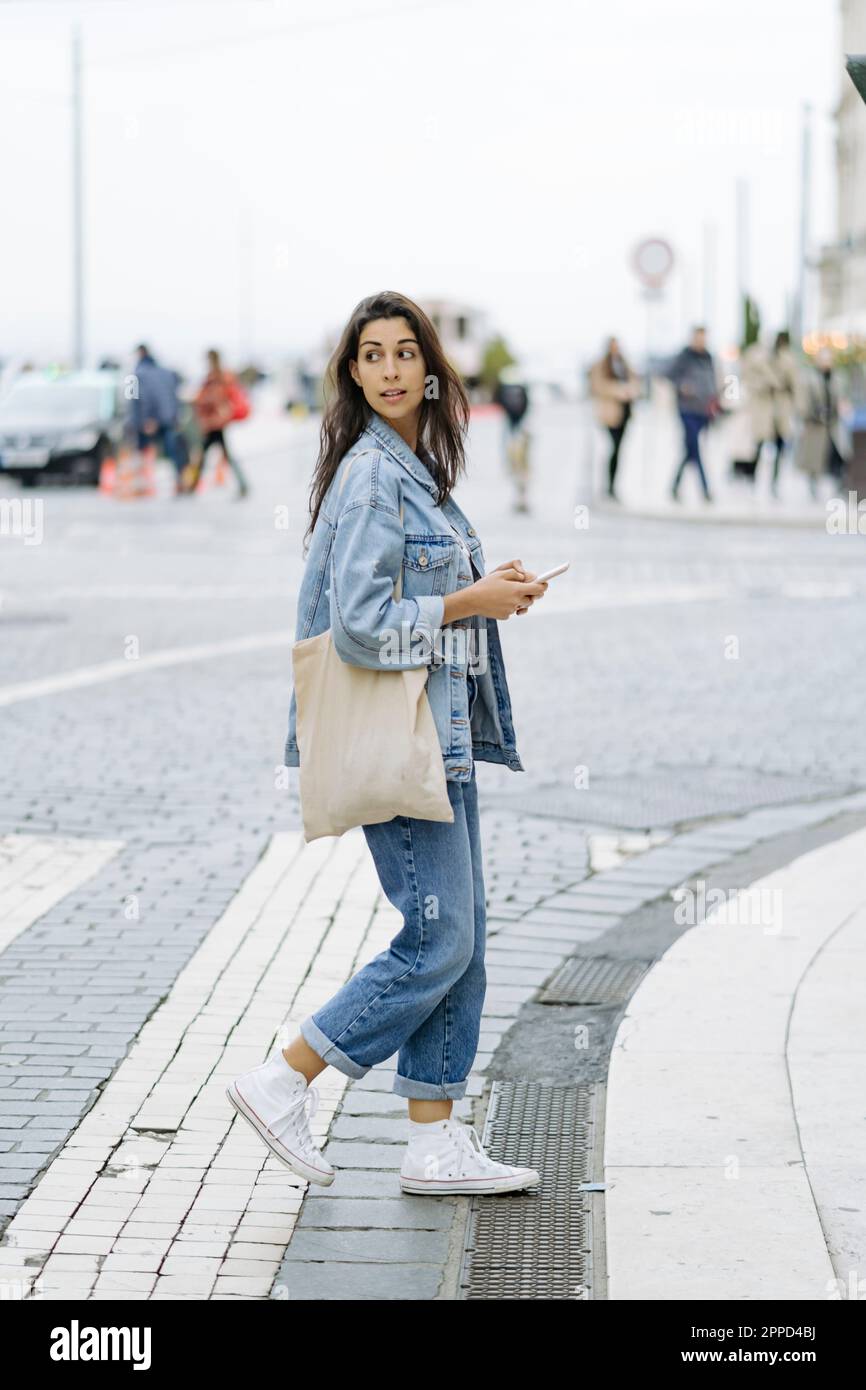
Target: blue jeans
point(167, 436)
point(422, 997)
point(693, 423)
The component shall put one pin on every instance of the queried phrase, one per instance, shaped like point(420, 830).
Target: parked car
point(61, 426)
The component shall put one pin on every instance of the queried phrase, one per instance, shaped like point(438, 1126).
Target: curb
point(732, 1095)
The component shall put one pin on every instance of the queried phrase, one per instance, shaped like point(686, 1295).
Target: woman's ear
point(355, 374)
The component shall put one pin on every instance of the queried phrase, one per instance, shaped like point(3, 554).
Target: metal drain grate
point(593, 980)
point(535, 1244)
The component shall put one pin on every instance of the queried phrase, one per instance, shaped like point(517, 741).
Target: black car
point(63, 426)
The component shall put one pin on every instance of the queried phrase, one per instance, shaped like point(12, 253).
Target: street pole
point(687, 316)
point(709, 269)
point(77, 205)
point(651, 297)
point(803, 246)
point(743, 238)
point(245, 287)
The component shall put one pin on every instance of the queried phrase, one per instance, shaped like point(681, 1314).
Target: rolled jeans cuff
point(428, 1090)
point(328, 1051)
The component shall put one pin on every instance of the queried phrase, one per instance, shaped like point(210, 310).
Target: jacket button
point(470, 532)
point(422, 559)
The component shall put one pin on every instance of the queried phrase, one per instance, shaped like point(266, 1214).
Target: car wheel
point(95, 462)
point(28, 479)
point(84, 471)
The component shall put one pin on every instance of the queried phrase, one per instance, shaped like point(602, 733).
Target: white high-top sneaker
point(454, 1160)
point(273, 1099)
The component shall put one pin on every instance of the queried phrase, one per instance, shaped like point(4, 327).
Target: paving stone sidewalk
point(139, 815)
point(359, 1239)
point(158, 1193)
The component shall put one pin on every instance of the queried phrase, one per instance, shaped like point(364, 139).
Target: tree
point(751, 322)
point(494, 358)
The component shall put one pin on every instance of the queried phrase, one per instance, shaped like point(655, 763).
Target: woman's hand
point(513, 565)
point(507, 589)
point(527, 574)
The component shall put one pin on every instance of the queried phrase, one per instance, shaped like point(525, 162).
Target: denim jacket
point(356, 550)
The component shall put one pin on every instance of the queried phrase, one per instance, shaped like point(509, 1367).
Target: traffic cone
point(147, 476)
point(128, 481)
point(124, 480)
point(108, 474)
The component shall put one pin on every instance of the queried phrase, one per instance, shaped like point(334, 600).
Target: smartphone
point(549, 574)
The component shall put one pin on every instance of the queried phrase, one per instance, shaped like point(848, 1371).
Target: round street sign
point(653, 260)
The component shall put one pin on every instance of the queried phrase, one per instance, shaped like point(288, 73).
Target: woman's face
point(389, 368)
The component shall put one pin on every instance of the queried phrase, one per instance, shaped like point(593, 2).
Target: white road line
point(161, 1166)
point(561, 602)
point(37, 871)
point(116, 670)
point(186, 592)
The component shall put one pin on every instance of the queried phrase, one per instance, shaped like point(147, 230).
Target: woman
point(784, 397)
point(758, 379)
point(215, 409)
point(392, 435)
point(820, 447)
point(512, 397)
point(613, 386)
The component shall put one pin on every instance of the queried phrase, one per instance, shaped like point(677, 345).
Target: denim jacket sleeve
point(369, 627)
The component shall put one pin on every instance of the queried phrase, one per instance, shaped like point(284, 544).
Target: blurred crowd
point(154, 418)
point(773, 403)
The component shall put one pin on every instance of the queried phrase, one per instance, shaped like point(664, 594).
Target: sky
point(251, 170)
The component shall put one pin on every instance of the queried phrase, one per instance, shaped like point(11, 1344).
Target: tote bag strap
point(359, 455)
point(398, 586)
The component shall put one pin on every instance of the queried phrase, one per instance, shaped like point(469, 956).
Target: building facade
point(843, 263)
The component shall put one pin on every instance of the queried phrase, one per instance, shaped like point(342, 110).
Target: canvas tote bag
point(367, 741)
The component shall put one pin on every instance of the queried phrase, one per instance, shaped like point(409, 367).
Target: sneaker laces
point(310, 1094)
point(469, 1142)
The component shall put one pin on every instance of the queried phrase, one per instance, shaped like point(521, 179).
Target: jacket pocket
point(425, 564)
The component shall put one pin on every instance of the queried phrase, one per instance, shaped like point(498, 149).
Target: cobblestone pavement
point(675, 677)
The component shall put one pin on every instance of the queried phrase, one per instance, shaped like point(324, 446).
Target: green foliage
point(495, 358)
point(751, 322)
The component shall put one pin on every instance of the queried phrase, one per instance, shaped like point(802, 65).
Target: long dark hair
point(607, 360)
point(444, 418)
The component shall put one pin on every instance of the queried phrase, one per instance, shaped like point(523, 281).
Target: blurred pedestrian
point(784, 398)
point(512, 395)
point(613, 386)
point(820, 445)
point(693, 373)
point(217, 404)
point(757, 379)
point(153, 410)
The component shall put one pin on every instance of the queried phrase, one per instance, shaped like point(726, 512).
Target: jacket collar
point(399, 450)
